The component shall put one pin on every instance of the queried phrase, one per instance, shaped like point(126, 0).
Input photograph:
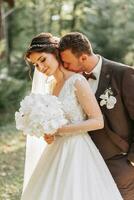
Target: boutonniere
point(108, 99)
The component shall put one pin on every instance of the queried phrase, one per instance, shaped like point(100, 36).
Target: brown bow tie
point(89, 75)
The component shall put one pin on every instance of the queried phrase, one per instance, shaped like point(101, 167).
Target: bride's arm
point(90, 105)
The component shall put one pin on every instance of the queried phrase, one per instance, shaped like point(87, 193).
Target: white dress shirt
point(96, 71)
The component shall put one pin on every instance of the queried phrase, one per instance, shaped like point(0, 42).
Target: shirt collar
point(97, 69)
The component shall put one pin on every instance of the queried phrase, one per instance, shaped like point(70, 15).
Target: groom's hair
point(76, 42)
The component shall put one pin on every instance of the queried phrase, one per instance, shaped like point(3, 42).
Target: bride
point(70, 168)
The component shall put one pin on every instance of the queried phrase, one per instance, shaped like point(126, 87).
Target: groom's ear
point(83, 58)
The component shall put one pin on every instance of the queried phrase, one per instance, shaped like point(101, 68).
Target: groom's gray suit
point(116, 140)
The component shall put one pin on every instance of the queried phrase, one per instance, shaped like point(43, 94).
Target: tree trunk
point(74, 17)
point(35, 17)
point(9, 38)
point(1, 26)
point(60, 17)
point(1, 31)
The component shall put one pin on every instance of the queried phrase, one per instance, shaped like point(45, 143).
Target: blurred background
point(109, 25)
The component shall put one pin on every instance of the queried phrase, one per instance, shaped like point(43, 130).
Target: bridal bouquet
point(39, 114)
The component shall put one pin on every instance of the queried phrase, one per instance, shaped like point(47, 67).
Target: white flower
point(103, 102)
point(39, 114)
point(111, 102)
point(108, 99)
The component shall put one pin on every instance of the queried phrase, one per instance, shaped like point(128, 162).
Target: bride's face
point(44, 62)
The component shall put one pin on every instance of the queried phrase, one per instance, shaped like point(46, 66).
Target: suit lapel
point(105, 78)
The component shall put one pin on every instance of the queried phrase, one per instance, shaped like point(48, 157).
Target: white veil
point(35, 146)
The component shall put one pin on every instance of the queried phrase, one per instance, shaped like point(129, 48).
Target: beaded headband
point(43, 45)
point(55, 43)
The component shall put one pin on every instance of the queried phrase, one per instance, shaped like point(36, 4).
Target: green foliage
point(12, 151)
point(107, 23)
point(11, 93)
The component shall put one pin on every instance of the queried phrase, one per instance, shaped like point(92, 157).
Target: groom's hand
point(49, 138)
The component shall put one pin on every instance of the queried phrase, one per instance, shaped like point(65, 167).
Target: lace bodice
point(67, 96)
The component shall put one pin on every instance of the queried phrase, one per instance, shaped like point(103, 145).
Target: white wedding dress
point(71, 168)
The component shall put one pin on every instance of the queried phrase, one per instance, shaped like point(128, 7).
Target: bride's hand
point(49, 138)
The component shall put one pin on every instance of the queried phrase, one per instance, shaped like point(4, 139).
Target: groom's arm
point(128, 97)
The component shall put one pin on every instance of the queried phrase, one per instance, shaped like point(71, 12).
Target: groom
point(113, 85)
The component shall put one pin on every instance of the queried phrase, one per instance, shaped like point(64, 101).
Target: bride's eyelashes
point(42, 60)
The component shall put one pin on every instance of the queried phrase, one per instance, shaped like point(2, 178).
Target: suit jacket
point(117, 136)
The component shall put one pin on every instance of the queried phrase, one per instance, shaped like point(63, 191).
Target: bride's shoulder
point(80, 83)
point(77, 77)
point(77, 81)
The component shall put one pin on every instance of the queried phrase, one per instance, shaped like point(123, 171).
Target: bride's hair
point(44, 42)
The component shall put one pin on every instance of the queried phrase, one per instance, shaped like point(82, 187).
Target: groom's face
point(71, 62)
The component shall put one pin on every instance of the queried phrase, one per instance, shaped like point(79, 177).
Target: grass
point(12, 153)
